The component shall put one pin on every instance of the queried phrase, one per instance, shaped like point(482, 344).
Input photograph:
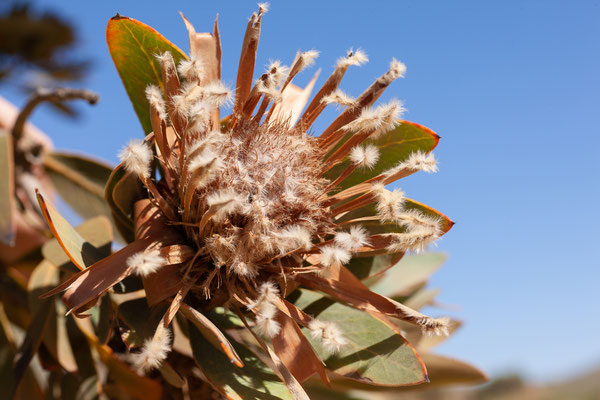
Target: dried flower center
point(264, 193)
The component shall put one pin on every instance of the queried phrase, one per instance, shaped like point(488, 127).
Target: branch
point(51, 95)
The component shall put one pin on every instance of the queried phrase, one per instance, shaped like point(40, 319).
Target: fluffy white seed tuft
point(267, 294)
point(166, 62)
point(224, 202)
point(137, 157)
point(413, 219)
point(276, 71)
point(353, 240)
point(357, 57)
point(205, 159)
point(268, 91)
point(266, 309)
point(436, 326)
point(389, 203)
point(365, 157)
point(145, 263)
point(243, 268)
point(154, 96)
point(263, 8)
point(266, 325)
point(154, 352)
point(416, 239)
point(217, 94)
point(340, 98)
point(191, 69)
point(331, 255)
point(377, 120)
point(397, 69)
point(421, 161)
point(295, 237)
point(307, 58)
point(329, 334)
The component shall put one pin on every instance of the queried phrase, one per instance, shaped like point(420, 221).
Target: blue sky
point(513, 88)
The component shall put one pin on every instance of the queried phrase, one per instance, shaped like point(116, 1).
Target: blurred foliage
point(113, 315)
point(38, 50)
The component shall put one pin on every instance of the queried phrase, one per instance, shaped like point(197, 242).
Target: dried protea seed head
point(248, 194)
point(259, 164)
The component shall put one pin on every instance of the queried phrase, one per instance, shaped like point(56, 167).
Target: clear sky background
point(513, 88)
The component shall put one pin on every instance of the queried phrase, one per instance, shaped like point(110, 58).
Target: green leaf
point(170, 375)
point(32, 341)
point(7, 354)
point(255, 381)
point(421, 298)
point(127, 383)
point(95, 232)
point(365, 267)
point(81, 252)
point(448, 371)
point(132, 46)
point(140, 319)
point(410, 273)
point(80, 181)
point(7, 187)
point(367, 217)
point(102, 317)
point(46, 276)
point(211, 333)
point(395, 146)
point(374, 354)
point(122, 190)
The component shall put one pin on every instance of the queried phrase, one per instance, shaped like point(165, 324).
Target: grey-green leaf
point(374, 354)
point(255, 381)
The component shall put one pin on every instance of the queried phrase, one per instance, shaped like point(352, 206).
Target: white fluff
point(217, 94)
point(225, 202)
point(137, 157)
point(415, 239)
point(266, 325)
point(166, 62)
point(267, 294)
point(295, 237)
point(329, 334)
point(353, 240)
point(191, 69)
point(331, 255)
point(154, 96)
point(436, 326)
point(377, 120)
point(421, 161)
point(397, 69)
point(308, 58)
point(263, 8)
point(145, 263)
point(242, 268)
point(365, 157)
point(154, 352)
point(340, 98)
point(415, 219)
point(389, 203)
point(276, 71)
point(357, 57)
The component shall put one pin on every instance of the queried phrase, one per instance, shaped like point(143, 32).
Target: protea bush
point(257, 253)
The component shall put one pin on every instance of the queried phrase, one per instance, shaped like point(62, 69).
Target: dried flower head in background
point(237, 213)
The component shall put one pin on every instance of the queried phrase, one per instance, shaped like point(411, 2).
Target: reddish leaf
point(132, 46)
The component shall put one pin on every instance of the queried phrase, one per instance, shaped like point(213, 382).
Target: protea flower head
point(239, 212)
